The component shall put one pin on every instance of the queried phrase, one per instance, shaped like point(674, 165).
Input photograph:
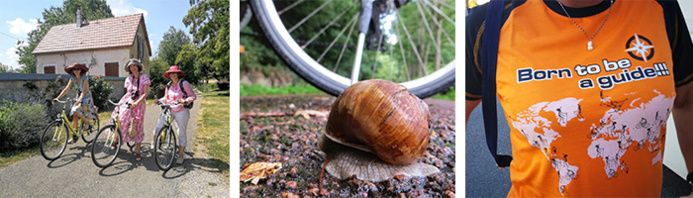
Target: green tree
point(173, 41)
point(169, 48)
point(208, 21)
point(158, 67)
point(91, 10)
point(186, 62)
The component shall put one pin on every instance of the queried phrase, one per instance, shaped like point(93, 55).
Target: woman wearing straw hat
point(178, 90)
point(137, 89)
point(84, 104)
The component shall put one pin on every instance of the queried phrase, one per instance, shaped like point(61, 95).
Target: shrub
point(99, 91)
point(21, 123)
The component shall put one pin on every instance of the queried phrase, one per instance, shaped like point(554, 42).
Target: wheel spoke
point(341, 54)
point(328, 26)
point(440, 12)
point(351, 22)
point(401, 49)
point(309, 16)
point(289, 7)
point(428, 28)
point(418, 56)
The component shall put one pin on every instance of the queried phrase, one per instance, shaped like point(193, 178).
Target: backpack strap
point(180, 85)
point(491, 36)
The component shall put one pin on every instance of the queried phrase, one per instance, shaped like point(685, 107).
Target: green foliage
point(91, 10)
point(208, 21)
point(156, 73)
point(99, 91)
point(21, 123)
point(447, 95)
point(251, 90)
point(172, 43)
point(186, 62)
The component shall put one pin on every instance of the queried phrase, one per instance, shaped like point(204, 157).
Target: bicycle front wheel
point(54, 140)
point(165, 148)
point(417, 51)
point(106, 146)
point(94, 126)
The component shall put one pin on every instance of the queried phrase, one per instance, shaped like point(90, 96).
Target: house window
point(140, 47)
point(49, 69)
point(112, 69)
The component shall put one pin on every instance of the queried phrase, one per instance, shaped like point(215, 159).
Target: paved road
point(484, 179)
point(75, 175)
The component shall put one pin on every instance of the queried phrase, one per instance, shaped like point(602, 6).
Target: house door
point(112, 69)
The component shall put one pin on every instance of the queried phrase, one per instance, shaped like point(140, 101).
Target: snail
point(376, 130)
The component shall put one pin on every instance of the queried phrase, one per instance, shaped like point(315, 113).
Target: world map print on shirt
point(621, 127)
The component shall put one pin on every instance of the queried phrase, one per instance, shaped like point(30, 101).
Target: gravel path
point(292, 140)
point(75, 175)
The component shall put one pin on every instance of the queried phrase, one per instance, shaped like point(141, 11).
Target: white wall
point(120, 55)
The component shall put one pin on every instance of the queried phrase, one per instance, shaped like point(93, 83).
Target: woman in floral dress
point(137, 89)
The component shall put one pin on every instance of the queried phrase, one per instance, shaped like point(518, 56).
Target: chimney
point(79, 17)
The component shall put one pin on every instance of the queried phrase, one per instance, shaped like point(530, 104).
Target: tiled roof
point(103, 33)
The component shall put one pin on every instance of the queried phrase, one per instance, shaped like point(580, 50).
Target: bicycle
point(108, 140)
point(58, 131)
point(279, 22)
point(165, 145)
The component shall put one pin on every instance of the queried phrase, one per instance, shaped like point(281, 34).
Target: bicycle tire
point(101, 152)
point(94, 125)
point(165, 142)
point(320, 77)
point(47, 141)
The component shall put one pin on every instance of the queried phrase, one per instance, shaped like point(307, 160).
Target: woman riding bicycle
point(137, 89)
point(84, 104)
point(178, 90)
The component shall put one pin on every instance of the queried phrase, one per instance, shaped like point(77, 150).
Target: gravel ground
point(292, 140)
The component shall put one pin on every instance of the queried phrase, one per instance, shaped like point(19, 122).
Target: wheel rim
point(102, 154)
point(53, 141)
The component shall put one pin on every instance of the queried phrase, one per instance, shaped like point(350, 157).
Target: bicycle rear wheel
point(54, 140)
point(422, 78)
point(94, 126)
point(106, 146)
point(165, 148)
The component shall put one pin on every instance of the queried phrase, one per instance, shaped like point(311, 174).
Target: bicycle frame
point(63, 119)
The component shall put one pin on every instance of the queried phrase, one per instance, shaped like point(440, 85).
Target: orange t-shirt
point(586, 122)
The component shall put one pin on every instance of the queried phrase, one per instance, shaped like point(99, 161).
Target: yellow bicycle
point(108, 141)
point(54, 138)
point(165, 145)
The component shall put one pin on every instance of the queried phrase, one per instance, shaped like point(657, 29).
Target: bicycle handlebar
point(168, 105)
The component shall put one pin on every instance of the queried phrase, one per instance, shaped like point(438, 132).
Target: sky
point(18, 18)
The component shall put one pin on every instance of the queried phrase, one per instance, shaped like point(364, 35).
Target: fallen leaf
point(259, 170)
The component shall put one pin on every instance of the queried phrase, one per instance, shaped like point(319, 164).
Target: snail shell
point(377, 129)
point(383, 118)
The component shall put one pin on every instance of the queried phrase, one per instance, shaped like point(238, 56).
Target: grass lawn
point(213, 128)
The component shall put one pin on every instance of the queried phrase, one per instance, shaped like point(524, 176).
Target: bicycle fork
point(365, 11)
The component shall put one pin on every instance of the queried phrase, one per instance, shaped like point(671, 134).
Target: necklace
point(589, 43)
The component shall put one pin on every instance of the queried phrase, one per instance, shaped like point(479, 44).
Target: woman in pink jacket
point(183, 93)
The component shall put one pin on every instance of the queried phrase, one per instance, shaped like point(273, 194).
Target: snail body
point(382, 118)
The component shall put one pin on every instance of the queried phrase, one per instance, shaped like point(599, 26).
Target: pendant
point(589, 45)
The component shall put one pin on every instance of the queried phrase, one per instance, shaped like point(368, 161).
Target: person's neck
point(579, 3)
point(175, 81)
point(136, 75)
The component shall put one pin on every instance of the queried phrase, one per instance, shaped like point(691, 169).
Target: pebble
point(286, 194)
point(291, 184)
point(303, 154)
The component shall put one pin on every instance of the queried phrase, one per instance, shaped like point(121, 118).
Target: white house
point(103, 45)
